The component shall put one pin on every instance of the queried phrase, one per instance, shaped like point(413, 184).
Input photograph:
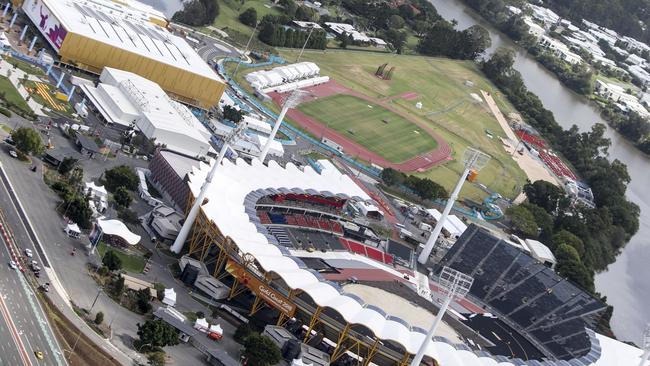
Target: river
point(625, 283)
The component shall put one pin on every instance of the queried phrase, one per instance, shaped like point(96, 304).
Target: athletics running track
point(419, 163)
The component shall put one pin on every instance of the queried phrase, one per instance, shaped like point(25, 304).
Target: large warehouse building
point(126, 35)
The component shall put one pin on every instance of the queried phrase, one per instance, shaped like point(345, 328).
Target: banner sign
point(46, 22)
point(261, 289)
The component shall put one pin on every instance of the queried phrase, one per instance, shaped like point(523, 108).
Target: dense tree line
point(606, 228)
point(495, 12)
point(442, 39)
point(631, 125)
point(274, 33)
point(628, 17)
point(424, 188)
point(197, 12)
point(576, 77)
point(376, 15)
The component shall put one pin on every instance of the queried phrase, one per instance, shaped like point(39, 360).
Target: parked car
point(28, 253)
point(13, 265)
point(13, 153)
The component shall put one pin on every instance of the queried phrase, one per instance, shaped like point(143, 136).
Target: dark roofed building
point(87, 145)
point(56, 156)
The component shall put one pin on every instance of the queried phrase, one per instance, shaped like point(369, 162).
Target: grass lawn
point(11, 94)
point(229, 11)
point(25, 66)
point(372, 126)
point(447, 106)
point(130, 262)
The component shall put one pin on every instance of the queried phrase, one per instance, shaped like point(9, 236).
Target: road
point(24, 328)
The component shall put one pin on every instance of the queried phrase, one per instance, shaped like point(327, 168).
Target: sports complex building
point(281, 240)
point(125, 35)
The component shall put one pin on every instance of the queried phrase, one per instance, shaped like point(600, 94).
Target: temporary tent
point(117, 228)
point(95, 190)
point(216, 329)
point(298, 362)
point(170, 297)
point(72, 230)
point(201, 325)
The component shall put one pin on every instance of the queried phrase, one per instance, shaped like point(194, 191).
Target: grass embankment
point(447, 106)
point(372, 126)
point(229, 11)
point(11, 96)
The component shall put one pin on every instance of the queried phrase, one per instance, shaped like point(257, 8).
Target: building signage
point(261, 289)
point(46, 22)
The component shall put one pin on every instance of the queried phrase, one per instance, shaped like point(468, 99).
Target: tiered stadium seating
point(367, 251)
point(300, 220)
point(527, 293)
point(281, 235)
point(556, 165)
point(278, 219)
point(533, 140)
point(264, 217)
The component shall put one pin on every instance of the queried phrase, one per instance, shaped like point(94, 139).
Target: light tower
point(472, 160)
point(455, 285)
point(236, 133)
point(645, 346)
point(293, 100)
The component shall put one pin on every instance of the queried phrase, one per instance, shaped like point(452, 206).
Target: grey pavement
point(40, 204)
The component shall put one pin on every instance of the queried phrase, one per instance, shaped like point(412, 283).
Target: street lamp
point(645, 345)
point(292, 101)
point(236, 134)
point(455, 285)
point(472, 160)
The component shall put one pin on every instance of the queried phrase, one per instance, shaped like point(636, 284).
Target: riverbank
point(579, 78)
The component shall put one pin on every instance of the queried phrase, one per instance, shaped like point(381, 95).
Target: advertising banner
point(46, 22)
point(259, 288)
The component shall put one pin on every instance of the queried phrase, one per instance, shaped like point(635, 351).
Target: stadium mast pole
point(194, 211)
point(473, 160)
point(311, 29)
point(292, 101)
point(456, 284)
point(645, 345)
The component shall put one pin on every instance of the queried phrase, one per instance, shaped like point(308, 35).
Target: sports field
point(373, 126)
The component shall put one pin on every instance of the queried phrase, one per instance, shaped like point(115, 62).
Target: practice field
point(373, 126)
point(445, 90)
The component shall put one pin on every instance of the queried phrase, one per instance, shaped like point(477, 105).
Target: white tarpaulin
point(95, 190)
point(201, 325)
point(73, 230)
point(117, 228)
point(170, 297)
point(216, 329)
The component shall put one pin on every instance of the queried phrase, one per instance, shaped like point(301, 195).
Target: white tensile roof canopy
point(237, 187)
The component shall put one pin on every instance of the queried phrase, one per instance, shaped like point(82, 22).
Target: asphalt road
point(28, 329)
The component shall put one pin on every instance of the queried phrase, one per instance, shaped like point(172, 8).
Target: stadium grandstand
point(528, 294)
point(282, 234)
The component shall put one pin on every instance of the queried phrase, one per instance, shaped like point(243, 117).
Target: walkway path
point(351, 147)
point(15, 75)
point(533, 167)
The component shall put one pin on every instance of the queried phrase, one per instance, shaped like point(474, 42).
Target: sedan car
point(13, 153)
point(13, 265)
point(28, 253)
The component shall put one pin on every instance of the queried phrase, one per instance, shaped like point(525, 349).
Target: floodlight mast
point(235, 134)
point(645, 346)
point(456, 284)
point(473, 160)
point(293, 100)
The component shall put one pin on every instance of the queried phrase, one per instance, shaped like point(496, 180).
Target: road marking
point(14, 333)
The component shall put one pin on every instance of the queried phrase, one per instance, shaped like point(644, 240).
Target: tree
point(112, 261)
point(142, 300)
point(118, 286)
point(396, 38)
point(197, 12)
point(156, 358)
point(395, 22)
point(156, 334)
point(242, 332)
point(78, 210)
point(27, 140)
point(570, 266)
point(564, 237)
point(232, 114)
point(260, 350)
point(522, 220)
point(546, 195)
point(67, 164)
point(121, 176)
point(122, 197)
point(305, 14)
point(392, 177)
point(99, 318)
point(430, 190)
point(249, 17)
